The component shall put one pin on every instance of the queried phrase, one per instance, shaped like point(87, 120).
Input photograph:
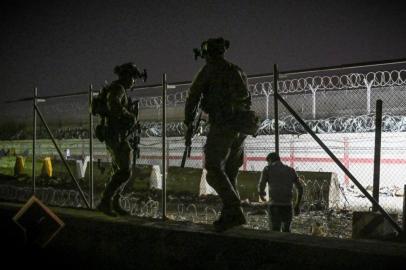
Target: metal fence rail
point(336, 103)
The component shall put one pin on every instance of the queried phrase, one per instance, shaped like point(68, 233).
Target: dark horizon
point(62, 47)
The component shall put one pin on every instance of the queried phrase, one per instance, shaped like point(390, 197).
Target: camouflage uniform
point(223, 89)
point(118, 122)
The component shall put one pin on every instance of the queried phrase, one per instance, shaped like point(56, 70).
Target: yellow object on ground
point(46, 170)
point(12, 152)
point(19, 166)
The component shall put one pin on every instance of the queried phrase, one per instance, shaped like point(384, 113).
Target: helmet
point(212, 47)
point(130, 69)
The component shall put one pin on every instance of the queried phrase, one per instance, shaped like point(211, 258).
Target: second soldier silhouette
point(221, 89)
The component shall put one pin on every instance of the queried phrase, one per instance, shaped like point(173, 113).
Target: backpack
point(99, 104)
point(99, 108)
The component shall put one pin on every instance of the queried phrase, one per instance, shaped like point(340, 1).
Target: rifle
point(192, 130)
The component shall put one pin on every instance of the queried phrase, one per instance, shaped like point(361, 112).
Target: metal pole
point(314, 105)
point(339, 164)
point(91, 182)
point(61, 156)
point(275, 104)
point(267, 106)
point(168, 154)
point(314, 96)
point(377, 156)
point(368, 85)
point(164, 86)
point(404, 210)
point(34, 137)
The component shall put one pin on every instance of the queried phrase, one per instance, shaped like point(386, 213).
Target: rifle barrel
point(185, 153)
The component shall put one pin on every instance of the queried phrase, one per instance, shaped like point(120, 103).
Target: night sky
point(63, 46)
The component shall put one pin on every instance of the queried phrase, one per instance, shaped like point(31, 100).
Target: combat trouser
point(121, 162)
point(223, 158)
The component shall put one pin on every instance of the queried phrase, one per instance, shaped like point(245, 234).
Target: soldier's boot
point(105, 206)
point(223, 213)
point(116, 206)
point(230, 218)
point(220, 219)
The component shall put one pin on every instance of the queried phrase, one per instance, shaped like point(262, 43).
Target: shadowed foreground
point(92, 240)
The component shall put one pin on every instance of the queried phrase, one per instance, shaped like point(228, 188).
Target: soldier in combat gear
point(113, 105)
point(221, 89)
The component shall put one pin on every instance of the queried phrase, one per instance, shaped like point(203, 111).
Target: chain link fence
point(339, 106)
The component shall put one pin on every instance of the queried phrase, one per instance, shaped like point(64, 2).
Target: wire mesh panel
point(53, 183)
point(339, 106)
point(343, 116)
point(347, 111)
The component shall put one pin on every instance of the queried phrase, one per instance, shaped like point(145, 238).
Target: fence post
point(34, 136)
point(346, 159)
point(275, 103)
point(164, 86)
point(244, 164)
point(377, 156)
point(267, 95)
point(314, 93)
point(168, 156)
point(404, 210)
point(91, 183)
point(267, 106)
point(368, 86)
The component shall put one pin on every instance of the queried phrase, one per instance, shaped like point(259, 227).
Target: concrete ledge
point(94, 241)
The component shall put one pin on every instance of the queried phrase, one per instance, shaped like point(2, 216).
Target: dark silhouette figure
point(117, 122)
point(220, 88)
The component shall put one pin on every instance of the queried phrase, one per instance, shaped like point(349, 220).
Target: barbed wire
point(343, 124)
point(289, 125)
point(317, 208)
point(300, 85)
point(335, 82)
point(49, 195)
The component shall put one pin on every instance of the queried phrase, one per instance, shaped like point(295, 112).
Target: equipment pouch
point(101, 132)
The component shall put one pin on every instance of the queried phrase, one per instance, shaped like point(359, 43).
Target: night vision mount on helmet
point(212, 47)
